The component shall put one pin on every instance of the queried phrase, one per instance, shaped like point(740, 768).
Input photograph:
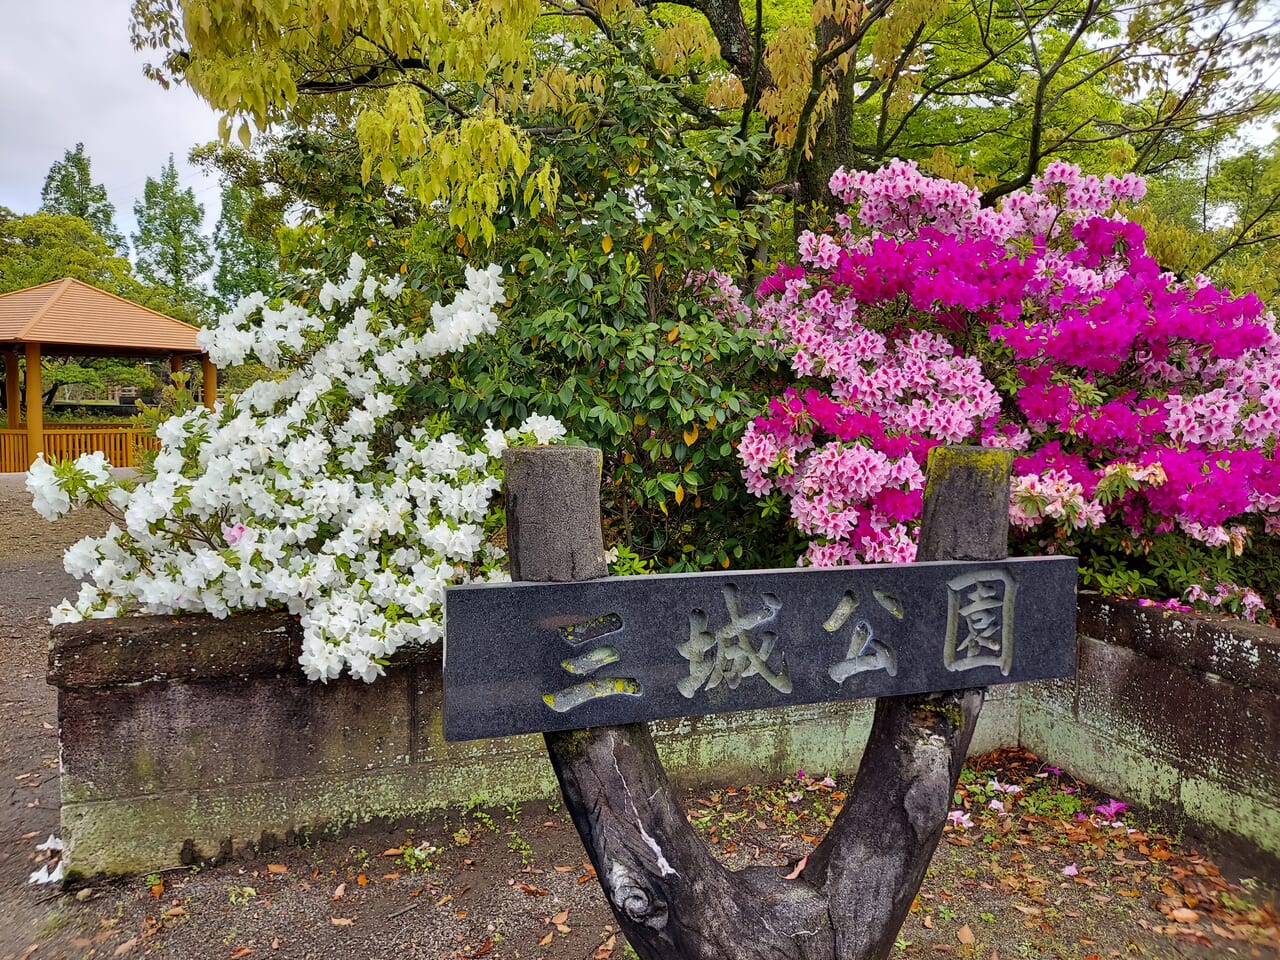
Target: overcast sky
point(69, 75)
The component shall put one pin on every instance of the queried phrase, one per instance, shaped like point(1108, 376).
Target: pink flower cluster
point(1243, 601)
point(1043, 326)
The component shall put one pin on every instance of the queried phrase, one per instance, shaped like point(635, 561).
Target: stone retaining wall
point(1176, 712)
point(192, 738)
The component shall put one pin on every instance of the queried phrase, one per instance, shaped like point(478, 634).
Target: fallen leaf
point(393, 852)
point(1183, 915)
point(277, 868)
point(965, 935)
point(341, 921)
point(339, 892)
point(125, 947)
point(560, 917)
point(799, 868)
point(362, 880)
point(175, 912)
point(546, 940)
point(241, 952)
point(275, 943)
point(560, 869)
point(605, 950)
point(157, 890)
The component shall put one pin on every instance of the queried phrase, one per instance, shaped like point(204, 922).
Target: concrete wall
point(1176, 712)
point(193, 738)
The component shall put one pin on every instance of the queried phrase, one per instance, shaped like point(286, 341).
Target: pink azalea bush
point(1137, 402)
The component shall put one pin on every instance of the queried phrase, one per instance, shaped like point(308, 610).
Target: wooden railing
point(13, 451)
point(69, 442)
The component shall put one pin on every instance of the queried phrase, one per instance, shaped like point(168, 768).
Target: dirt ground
point(1047, 877)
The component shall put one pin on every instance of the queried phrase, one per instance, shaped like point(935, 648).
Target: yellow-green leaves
point(470, 165)
point(425, 81)
point(789, 57)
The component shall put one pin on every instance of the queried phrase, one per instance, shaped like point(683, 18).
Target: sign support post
point(848, 898)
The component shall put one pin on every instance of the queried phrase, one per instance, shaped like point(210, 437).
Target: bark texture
point(669, 895)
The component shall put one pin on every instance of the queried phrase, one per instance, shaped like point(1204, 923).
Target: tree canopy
point(69, 189)
point(246, 259)
point(42, 247)
point(171, 252)
point(453, 101)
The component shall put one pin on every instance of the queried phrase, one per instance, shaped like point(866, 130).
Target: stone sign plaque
point(528, 657)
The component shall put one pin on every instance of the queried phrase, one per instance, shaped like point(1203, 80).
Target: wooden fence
point(70, 441)
point(13, 451)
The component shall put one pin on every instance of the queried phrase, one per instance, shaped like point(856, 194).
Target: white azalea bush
point(314, 492)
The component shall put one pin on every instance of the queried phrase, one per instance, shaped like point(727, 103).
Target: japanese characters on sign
point(526, 657)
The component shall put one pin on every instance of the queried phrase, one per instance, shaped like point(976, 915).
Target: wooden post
point(673, 900)
point(210, 381)
point(35, 404)
point(12, 392)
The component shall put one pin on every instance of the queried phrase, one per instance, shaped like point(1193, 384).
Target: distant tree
point(246, 256)
point(98, 374)
point(43, 246)
point(69, 189)
point(1220, 219)
point(169, 249)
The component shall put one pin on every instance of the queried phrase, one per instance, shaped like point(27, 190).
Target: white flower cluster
point(309, 492)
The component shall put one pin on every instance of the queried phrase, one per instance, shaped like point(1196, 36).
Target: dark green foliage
point(170, 250)
point(247, 259)
point(69, 190)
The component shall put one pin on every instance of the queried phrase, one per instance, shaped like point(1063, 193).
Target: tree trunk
point(670, 896)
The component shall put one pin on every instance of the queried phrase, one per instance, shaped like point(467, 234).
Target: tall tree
point(170, 250)
point(69, 189)
point(1004, 86)
point(242, 241)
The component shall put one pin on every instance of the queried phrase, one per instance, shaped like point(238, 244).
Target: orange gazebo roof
point(71, 317)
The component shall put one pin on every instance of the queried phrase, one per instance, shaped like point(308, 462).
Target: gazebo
point(71, 318)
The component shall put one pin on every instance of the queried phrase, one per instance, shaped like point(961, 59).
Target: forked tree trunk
point(670, 896)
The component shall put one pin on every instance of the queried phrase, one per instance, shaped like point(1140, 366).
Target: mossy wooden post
point(670, 896)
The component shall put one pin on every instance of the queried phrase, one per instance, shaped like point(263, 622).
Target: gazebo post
point(210, 381)
point(12, 392)
point(35, 404)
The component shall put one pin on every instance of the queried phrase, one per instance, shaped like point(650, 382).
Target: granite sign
point(528, 657)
